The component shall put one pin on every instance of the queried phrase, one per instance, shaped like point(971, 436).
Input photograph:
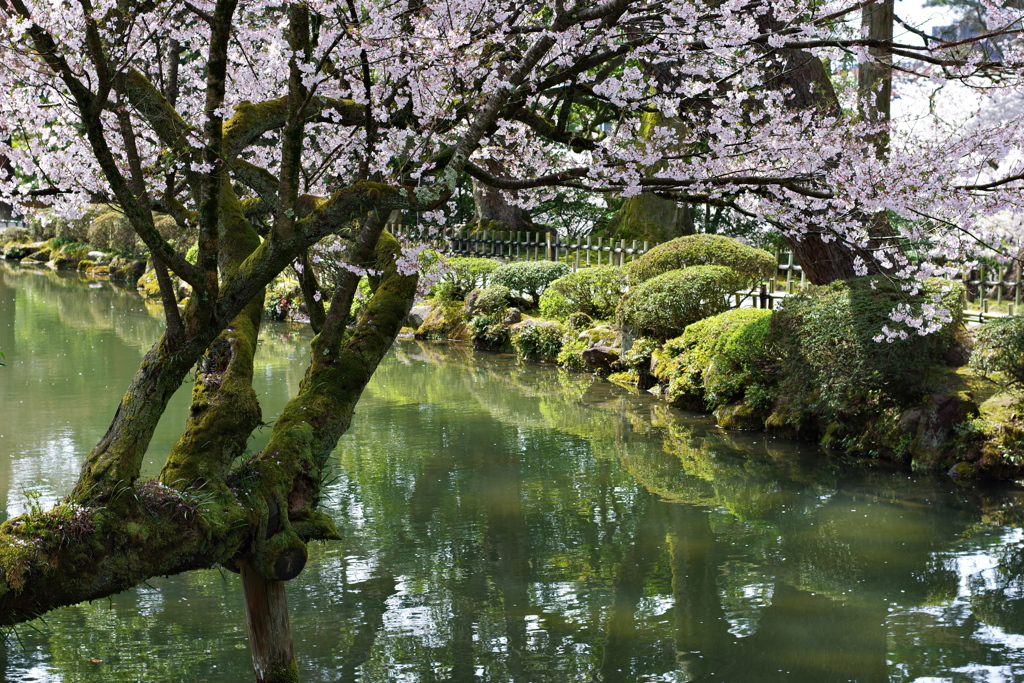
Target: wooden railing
point(577, 252)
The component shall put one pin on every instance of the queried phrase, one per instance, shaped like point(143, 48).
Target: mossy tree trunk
point(207, 507)
point(647, 216)
point(821, 253)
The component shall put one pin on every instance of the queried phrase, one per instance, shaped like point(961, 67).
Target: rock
point(98, 271)
point(602, 335)
point(64, 263)
point(739, 416)
point(601, 358)
point(16, 252)
point(130, 272)
point(418, 314)
point(445, 322)
point(512, 316)
point(963, 470)
point(909, 421)
point(96, 256)
point(470, 307)
point(940, 414)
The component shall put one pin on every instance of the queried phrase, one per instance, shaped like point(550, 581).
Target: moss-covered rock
point(739, 416)
point(718, 360)
point(445, 321)
point(15, 251)
point(933, 444)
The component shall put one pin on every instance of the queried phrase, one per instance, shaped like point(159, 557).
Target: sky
point(914, 13)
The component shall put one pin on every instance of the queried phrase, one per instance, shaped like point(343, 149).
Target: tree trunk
point(270, 632)
point(806, 84)
point(493, 205)
point(646, 216)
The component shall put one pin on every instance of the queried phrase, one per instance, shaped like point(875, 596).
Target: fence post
point(588, 251)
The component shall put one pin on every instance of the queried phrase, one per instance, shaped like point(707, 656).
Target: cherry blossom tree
point(265, 129)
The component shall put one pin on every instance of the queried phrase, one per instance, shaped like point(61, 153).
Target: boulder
point(940, 414)
point(129, 272)
point(601, 358)
point(512, 316)
point(16, 252)
point(418, 314)
point(739, 416)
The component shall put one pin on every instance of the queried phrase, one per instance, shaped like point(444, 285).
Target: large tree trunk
point(646, 216)
point(823, 256)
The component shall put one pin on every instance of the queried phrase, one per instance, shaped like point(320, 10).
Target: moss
point(445, 322)
point(625, 377)
point(717, 360)
point(739, 416)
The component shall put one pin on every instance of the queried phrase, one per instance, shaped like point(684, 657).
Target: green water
point(515, 523)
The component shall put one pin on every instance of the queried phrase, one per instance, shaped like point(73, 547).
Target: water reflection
point(515, 523)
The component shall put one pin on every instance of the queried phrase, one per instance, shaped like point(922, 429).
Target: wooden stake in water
point(270, 632)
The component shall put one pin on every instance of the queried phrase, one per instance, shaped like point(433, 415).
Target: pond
point(507, 522)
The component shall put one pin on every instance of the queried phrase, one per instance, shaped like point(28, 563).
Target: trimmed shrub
point(462, 275)
point(529, 278)
point(830, 356)
point(720, 359)
point(595, 291)
point(999, 351)
point(493, 299)
point(754, 265)
point(663, 306)
point(541, 341)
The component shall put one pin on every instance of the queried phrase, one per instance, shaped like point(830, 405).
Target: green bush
point(537, 342)
point(754, 265)
point(493, 299)
point(999, 351)
point(830, 353)
point(489, 334)
point(639, 355)
point(663, 306)
point(529, 278)
point(462, 274)
point(720, 359)
point(595, 291)
point(570, 356)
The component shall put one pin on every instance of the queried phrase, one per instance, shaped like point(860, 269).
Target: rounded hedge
point(663, 306)
point(595, 291)
point(752, 264)
point(529, 278)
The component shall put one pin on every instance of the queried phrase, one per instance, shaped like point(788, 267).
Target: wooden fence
point(990, 292)
point(578, 252)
